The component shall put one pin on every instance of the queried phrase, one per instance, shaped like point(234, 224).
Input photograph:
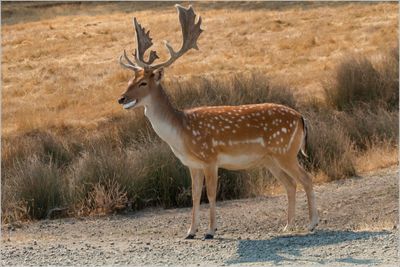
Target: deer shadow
point(288, 248)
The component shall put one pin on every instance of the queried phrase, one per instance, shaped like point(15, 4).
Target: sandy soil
point(359, 219)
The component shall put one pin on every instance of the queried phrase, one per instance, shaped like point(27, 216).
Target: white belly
point(239, 161)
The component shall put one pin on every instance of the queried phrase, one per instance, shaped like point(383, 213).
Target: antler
point(130, 64)
point(144, 42)
point(190, 33)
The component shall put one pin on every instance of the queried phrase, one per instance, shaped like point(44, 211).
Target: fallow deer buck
point(208, 138)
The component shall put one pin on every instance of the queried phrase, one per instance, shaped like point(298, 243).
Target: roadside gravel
point(359, 219)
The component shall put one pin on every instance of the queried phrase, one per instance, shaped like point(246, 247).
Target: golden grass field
point(60, 62)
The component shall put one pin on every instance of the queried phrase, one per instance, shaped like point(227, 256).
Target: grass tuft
point(38, 185)
point(357, 81)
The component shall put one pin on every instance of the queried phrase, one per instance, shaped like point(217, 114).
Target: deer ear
point(158, 75)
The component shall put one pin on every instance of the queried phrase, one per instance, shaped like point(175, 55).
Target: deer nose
point(121, 100)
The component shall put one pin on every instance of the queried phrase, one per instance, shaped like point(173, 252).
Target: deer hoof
point(208, 236)
point(190, 236)
point(312, 227)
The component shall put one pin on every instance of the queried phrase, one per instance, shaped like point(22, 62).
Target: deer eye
point(142, 84)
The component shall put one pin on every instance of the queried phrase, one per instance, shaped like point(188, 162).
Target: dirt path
point(358, 218)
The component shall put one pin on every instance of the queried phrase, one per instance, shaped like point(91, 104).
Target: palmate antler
point(190, 33)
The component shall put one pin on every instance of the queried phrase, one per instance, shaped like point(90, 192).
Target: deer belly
point(239, 161)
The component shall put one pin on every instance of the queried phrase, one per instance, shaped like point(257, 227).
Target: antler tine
point(190, 33)
point(130, 64)
point(144, 42)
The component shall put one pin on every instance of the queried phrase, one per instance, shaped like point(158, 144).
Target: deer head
point(148, 75)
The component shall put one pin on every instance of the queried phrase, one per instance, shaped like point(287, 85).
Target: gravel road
point(359, 219)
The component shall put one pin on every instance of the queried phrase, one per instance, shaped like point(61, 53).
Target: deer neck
point(166, 120)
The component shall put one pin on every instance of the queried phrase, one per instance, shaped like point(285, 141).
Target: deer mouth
point(130, 104)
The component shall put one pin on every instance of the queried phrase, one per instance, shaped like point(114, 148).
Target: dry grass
point(63, 131)
point(105, 199)
point(377, 156)
point(63, 70)
point(358, 81)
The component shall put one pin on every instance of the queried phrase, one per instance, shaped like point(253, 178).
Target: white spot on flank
point(214, 143)
point(284, 130)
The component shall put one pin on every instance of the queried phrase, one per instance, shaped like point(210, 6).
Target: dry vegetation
point(66, 142)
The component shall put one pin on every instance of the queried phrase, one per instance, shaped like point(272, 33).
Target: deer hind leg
point(197, 186)
point(293, 169)
point(211, 174)
point(290, 186)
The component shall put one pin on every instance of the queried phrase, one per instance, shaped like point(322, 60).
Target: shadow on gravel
point(288, 248)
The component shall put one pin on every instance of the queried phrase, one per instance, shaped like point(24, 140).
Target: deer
point(208, 138)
